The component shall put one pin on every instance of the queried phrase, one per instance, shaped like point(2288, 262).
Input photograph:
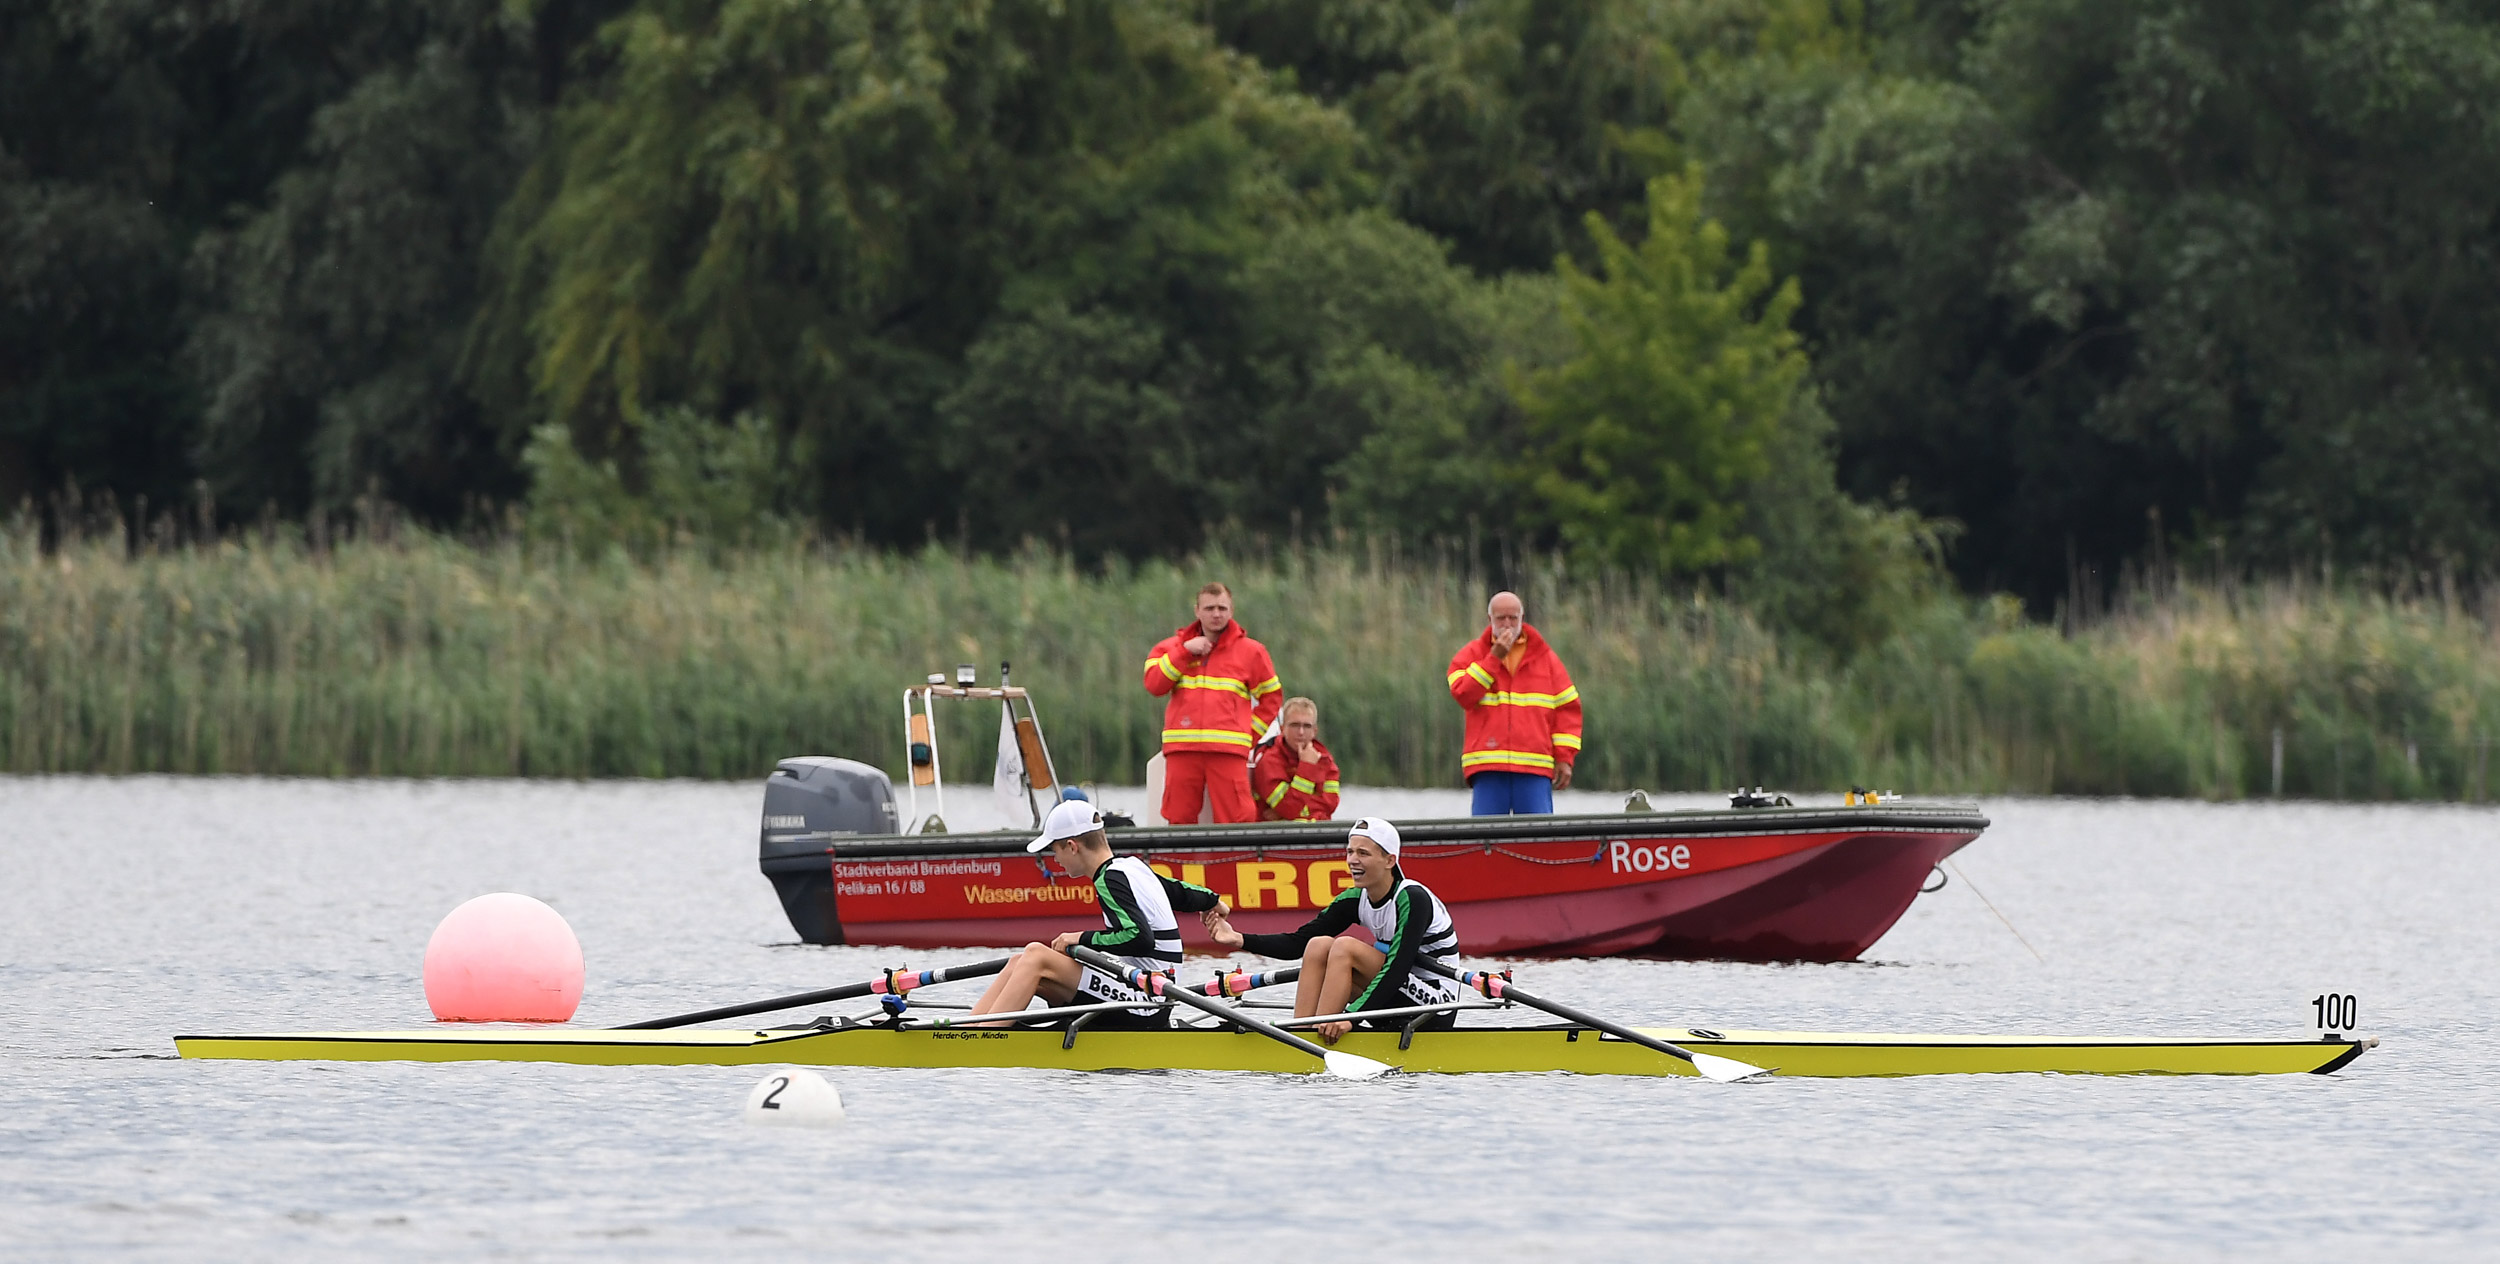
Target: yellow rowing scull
point(1465, 1050)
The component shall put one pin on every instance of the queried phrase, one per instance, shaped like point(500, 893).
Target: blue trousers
point(1512, 794)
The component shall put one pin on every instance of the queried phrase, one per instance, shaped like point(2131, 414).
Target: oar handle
point(891, 983)
point(1153, 984)
point(1242, 982)
point(1499, 988)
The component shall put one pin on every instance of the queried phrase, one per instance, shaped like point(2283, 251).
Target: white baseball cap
point(1071, 818)
point(1379, 831)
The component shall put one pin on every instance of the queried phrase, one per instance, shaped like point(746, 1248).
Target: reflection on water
point(134, 909)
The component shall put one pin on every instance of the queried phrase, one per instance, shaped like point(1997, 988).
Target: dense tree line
point(1777, 292)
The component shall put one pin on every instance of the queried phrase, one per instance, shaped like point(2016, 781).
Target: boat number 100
point(2337, 1011)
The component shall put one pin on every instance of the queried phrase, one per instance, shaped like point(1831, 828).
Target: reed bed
point(418, 656)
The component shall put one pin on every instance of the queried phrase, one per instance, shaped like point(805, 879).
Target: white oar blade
point(1726, 1070)
point(1350, 1066)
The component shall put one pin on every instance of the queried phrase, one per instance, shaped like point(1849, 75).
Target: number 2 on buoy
point(780, 1084)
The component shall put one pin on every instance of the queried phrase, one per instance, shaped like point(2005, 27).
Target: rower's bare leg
point(1351, 964)
point(1314, 975)
point(1041, 970)
point(993, 997)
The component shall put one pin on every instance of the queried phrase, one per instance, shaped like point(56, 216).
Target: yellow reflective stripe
point(1548, 701)
point(1269, 685)
point(1478, 759)
point(1163, 663)
point(1224, 736)
point(1303, 786)
point(1220, 684)
point(1570, 693)
point(1332, 787)
point(1483, 677)
point(1568, 741)
point(1455, 675)
point(1276, 795)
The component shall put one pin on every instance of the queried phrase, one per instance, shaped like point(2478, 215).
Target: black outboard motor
point(808, 803)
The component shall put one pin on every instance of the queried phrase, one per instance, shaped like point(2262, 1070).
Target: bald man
point(1523, 714)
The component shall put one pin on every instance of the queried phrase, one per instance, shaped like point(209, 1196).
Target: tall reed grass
point(419, 656)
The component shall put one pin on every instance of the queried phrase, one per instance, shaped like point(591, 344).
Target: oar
point(1344, 1066)
point(891, 983)
point(1494, 986)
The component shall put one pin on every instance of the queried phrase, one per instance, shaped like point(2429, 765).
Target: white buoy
point(794, 1098)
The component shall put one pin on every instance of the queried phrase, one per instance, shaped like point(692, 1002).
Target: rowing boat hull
point(1795, 884)
point(1541, 1049)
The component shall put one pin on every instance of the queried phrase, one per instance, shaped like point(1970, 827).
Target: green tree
point(1496, 125)
point(238, 240)
point(720, 485)
point(331, 316)
point(1652, 437)
point(2102, 279)
point(814, 213)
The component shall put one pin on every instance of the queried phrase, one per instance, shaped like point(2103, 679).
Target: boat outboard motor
point(808, 803)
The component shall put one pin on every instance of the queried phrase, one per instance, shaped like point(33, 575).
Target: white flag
point(1008, 782)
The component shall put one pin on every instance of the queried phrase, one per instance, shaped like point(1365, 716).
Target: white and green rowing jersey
point(1139, 926)
point(1411, 922)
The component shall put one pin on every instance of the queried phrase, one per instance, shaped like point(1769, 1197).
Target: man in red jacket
point(1223, 694)
point(1294, 777)
point(1523, 714)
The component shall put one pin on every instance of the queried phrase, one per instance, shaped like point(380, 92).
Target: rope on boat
point(1593, 857)
point(1992, 907)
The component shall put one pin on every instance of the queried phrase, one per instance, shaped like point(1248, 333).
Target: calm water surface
point(134, 909)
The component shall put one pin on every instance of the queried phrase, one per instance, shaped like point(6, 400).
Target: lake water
point(133, 909)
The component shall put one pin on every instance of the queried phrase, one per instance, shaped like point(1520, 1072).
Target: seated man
point(1293, 777)
point(1405, 921)
point(1138, 925)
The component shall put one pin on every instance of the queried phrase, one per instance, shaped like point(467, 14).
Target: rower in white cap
point(1340, 973)
point(1138, 925)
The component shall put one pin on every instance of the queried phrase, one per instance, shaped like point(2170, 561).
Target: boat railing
point(1039, 779)
point(1026, 1017)
point(1407, 1011)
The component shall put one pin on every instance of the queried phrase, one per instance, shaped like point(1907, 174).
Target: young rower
point(1343, 975)
point(1138, 925)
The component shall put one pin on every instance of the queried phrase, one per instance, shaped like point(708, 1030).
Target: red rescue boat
point(1775, 883)
point(1772, 884)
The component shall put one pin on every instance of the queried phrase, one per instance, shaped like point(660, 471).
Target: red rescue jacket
point(1523, 718)
point(1290, 788)
point(1220, 703)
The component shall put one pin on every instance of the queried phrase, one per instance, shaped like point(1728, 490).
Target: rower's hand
point(1065, 939)
point(1224, 935)
point(1198, 645)
point(1329, 1032)
point(1562, 776)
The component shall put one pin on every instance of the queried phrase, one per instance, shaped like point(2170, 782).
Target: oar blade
point(1727, 1070)
point(1354, 1066)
